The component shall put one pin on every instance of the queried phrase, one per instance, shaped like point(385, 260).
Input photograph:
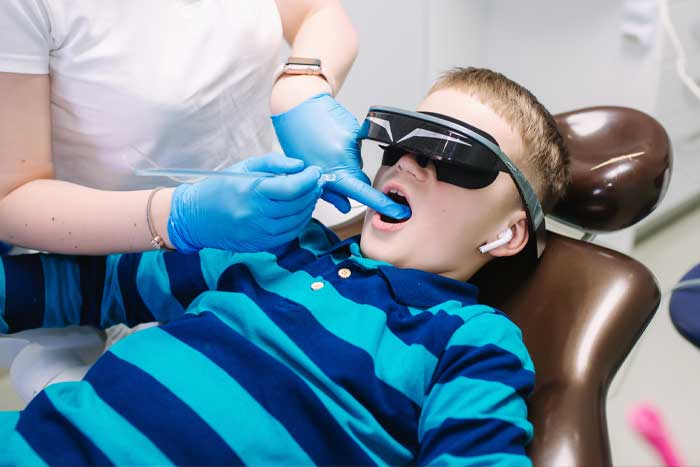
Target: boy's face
point(448, 223)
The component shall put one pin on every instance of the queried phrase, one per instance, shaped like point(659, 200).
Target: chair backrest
point(582, 307)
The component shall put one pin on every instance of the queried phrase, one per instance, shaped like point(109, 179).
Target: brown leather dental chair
point(582, 306)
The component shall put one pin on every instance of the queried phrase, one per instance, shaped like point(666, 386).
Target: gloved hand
point(322, 132)
point(245, 214)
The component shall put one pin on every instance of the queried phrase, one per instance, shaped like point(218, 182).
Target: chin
point(377, 250)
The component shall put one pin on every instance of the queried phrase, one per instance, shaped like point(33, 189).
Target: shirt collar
point(411, 287)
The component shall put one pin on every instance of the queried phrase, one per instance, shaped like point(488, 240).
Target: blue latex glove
point(322, 132)
point(245, 214)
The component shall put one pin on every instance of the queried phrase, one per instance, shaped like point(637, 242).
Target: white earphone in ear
point(503, 238)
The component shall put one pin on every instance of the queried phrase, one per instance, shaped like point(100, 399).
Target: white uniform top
point(185, 82)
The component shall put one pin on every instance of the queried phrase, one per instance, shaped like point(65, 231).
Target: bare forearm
point(61, 217)
point(328, 34)
point(324, 32)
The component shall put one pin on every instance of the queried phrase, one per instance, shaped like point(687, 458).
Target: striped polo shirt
point(308, 354)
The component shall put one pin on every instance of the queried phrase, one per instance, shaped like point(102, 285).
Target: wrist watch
point(304, 66)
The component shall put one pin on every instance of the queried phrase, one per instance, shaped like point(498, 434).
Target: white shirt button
point(317, 286)
point(344, 273)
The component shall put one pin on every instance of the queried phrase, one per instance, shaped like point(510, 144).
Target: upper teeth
point(397, 192)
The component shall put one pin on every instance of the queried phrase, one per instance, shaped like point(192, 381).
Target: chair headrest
point(620, 167)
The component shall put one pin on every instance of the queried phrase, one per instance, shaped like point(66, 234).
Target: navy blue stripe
point(92, 282)
point(472, 437)
point(348, 366)
point(136, 310)
point(170, 424)
point(489, 363)
point(292, 256)
point(278, 389)
point(24, 292)
point(368, 287)
point(185, 276)
point(54, 438)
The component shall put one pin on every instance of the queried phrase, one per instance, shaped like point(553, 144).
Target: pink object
point(647, 421)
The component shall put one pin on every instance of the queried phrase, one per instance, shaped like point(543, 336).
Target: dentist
point(91, 91)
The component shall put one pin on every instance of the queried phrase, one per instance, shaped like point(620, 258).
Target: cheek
point(459, 205)
point(378, 176)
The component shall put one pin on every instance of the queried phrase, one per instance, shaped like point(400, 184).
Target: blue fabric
point(4, 328)
point(685, 308)
point(52, 437)
point(263, 379)
point(92, 281)
point(136, 309)
point(274, 358)
point(155, 408)
point(63, 291)
point(24, 292)
point(4, 248)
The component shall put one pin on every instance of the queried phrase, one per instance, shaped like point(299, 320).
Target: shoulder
point(490, 332)
point(28, 23)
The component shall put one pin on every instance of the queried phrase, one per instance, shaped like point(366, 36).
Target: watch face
point(303, 61)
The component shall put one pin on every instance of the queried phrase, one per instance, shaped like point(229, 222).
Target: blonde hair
point(546, 163)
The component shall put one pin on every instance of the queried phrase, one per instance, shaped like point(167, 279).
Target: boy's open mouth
point(399, 197)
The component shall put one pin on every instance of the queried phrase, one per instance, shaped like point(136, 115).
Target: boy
point(321, 351)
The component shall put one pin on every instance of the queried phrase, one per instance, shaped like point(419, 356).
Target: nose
point(409, 165)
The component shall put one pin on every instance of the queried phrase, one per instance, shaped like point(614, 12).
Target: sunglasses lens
point(464, 177)
point(392, 155)
point(454, 174)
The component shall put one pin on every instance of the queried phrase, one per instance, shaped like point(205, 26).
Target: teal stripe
point(181, 369)
point(456, 308)
point(4, 328)
point(356, 256)
point(15, 449)
point(118, 439)
point(492, 460)
point(361, 325)
point(313, 238)
point(112, 310)
point(213, 263)
point(239, 312)
point(491, 328)
point(478, 398)
point(154, 287)
point(63, 298)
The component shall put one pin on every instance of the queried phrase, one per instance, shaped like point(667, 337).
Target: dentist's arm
point(310, 124)
point(39, 212)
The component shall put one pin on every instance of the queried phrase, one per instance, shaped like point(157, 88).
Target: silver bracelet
point(157, 241)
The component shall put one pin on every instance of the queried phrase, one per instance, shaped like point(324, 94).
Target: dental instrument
point(168, 172)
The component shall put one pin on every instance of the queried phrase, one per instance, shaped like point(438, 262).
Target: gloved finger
point(280, 209)
point(272, 163)
point(340, 202)
point(290, 187)
point(365, 194)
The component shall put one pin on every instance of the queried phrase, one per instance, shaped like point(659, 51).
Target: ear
point(521, 235)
